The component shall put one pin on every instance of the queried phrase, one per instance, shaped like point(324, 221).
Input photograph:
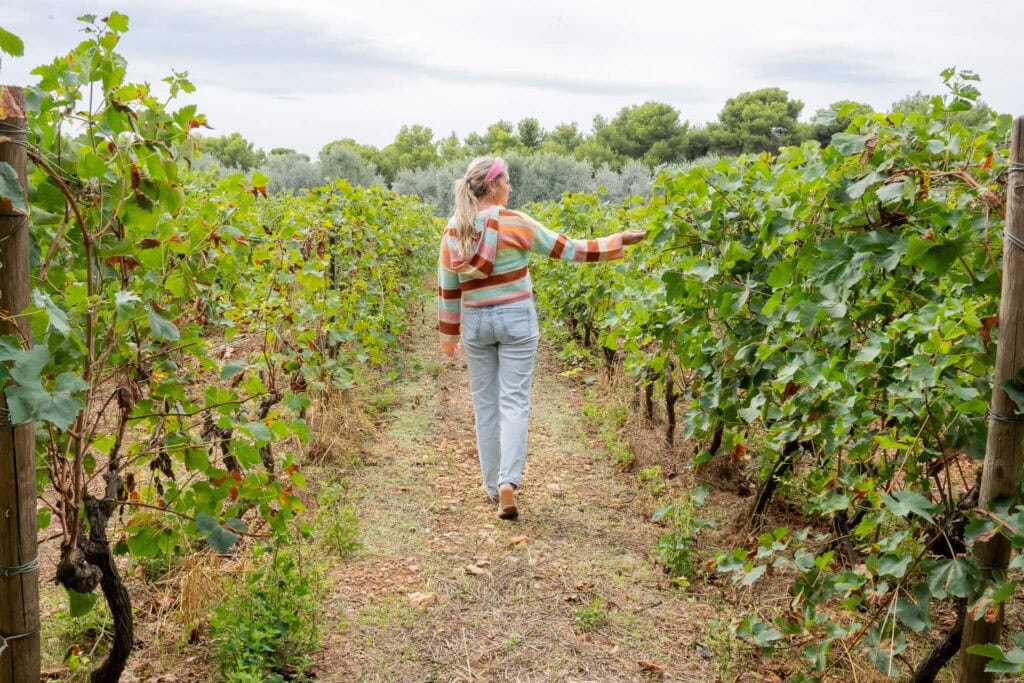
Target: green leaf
point(849, 143)
point(217, 536)
point(675, 285)
point(857, 189)
point(142, 542)
point(704, 270)
point(91, 166)
point(1015, 391)
point(232, 368)
point(816, 654)
point(914, 613)
point(951, 577)
point(258, 430)
point(79, 604)
point(11, 44)
point(58, 318)
point(782, 273)
point(987, 650)
point(197, 459)
point(12, 197)
point(29, 400)
point(28, 365)
point(939, 258)
point(902, 503)
point(125, 302)
point(753, 575)
point(887, 441)
point(297, 402)
point(890, 191)
point(117, 22)
point(870, 350)
point(162, 327)
point(892, 564)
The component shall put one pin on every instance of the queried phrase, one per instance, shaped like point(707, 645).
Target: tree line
point(613, 154)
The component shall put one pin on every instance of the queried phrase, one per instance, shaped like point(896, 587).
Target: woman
point(484, 285)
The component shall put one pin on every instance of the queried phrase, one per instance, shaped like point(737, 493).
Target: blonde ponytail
point(468, 191)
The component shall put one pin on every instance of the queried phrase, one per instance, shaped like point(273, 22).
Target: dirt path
point(443, 590)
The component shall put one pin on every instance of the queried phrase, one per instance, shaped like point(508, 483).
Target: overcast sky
point(300, 73)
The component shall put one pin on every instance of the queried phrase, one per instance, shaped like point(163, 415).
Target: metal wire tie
point(993, 415)
point(7, 639)
point(30, 566)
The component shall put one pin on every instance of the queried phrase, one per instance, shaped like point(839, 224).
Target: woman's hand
point(454, 352)
point(633, 236)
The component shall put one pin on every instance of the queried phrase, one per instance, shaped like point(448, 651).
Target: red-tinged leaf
point(236, 476)
point(150, 242)
point(217, 481)
point(291, 468)
point(986, 327)
point(128, 262)
point(241, 239)
point(136, 176)
point(928, 235)
point(988, 161)
point(196, 123)
point(233, 493)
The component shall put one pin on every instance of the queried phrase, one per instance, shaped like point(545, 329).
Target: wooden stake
point(1002, 469)
point(19, 568)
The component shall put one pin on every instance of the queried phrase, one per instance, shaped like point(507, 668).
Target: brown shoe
point(507, 508)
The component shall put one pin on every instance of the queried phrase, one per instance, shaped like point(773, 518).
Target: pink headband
point(496, 169)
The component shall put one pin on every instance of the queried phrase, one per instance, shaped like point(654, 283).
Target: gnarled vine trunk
point(91, 563)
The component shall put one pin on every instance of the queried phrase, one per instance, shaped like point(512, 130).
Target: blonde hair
point(468, 191)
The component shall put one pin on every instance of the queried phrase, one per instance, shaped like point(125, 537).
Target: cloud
point(829, 65)
point(288, 54)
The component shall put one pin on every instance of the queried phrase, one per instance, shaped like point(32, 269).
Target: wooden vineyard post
point(1002, 469)
point(19, 558)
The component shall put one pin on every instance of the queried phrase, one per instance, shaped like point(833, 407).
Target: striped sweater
point(497, 272)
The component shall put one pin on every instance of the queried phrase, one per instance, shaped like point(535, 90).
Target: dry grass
point(340, 429)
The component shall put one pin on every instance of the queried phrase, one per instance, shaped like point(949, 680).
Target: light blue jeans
point(500, 343)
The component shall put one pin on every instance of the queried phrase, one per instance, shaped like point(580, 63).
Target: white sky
point(300, 73)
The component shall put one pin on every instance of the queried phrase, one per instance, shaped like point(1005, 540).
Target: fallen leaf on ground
point(651, 667)
point(422, 599)
point(474, 570)
point(518, 540)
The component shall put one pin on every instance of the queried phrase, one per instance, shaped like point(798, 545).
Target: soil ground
point(444, 590)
